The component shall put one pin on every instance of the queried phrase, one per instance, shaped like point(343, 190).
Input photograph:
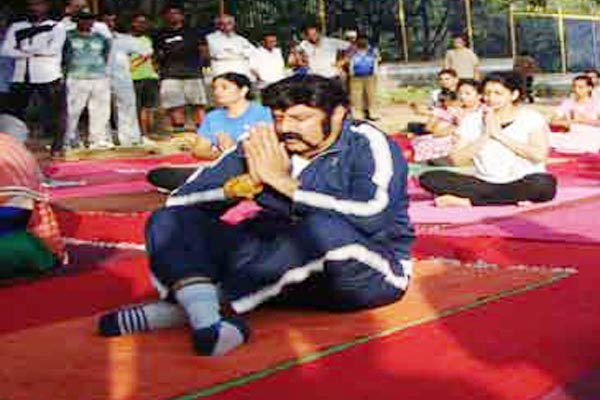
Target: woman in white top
point(507, 145)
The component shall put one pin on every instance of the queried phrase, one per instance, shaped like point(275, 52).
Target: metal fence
point(563, 35)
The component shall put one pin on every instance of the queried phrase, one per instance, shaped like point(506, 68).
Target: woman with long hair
point(507, 145)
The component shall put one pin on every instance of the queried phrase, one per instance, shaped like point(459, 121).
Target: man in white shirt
point(36, 44)
point(323, 52)
point(121, 84)
point(229, 52)
point(267, 63)
point(462, 59)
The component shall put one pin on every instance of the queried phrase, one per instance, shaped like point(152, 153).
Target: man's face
point(301, 128)
point(448, 81)
point(139, 24)
point(37, 8)
point(270, 42)
point(459, 43)
point(110, 21)
point(226, 24)
point(312, 35)
point(85, 24)
point(174, 17)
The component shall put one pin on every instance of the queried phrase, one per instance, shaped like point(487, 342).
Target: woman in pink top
point(580, 116)
point(581, 107)
point(445, 120)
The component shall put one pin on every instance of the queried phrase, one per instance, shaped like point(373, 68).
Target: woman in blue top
point(234, 116)
point(222, 127)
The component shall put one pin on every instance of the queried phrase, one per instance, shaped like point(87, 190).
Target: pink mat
point(90, 178)
point(71, 169)
point(138, 186)
point(425, 212)
point(574, 223)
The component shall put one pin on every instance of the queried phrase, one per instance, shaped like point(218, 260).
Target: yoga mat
point(93, 178)
point(95, 279)
point(161, 365)
point(70, 169)
point(134, 186)
point(573, 223)
point(425, 212)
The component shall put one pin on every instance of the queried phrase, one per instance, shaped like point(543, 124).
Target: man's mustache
point(290, 136)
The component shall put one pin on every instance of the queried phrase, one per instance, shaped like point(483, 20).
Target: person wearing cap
point(86, 60)
point(72, 8)
point(36, 46)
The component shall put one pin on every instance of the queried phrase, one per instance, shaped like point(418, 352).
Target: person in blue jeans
point(222, 127)
point(333, 233)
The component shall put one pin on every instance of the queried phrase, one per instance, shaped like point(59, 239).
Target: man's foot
point(221, 337)
point(102, 145)
point(449, 200)
point(141, 318)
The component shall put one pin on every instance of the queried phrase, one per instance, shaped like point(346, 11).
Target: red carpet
point(521, 347)
point(97, 280)
point(161, 365)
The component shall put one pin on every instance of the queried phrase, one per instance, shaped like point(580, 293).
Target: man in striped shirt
point(329, 228)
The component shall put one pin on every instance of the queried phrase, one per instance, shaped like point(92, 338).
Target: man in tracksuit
point(333, 230)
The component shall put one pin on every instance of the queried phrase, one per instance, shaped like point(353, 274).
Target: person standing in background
point(267, 63)
point(143, 74)
point(322, 52)
point(36, 45)
point(363, 79)
point(462, 59)
point(86, 60)
point(178, 52)
point(121, 85)
point(72, 8)
point(229, 52)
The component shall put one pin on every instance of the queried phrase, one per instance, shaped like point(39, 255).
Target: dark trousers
point(299, 262)
point(535, 187)
point(169, 178)
point(53, 107)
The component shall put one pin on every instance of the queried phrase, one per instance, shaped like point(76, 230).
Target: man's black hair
point(309, 90)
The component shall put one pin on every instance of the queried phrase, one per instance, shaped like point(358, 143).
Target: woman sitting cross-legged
point(221, 128)
point(579, 115)
point(506, 143)
point(435, 147)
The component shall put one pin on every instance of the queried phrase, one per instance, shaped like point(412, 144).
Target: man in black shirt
point(180, 67)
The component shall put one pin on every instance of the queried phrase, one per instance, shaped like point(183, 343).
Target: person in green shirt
point(144, 74)
point(86, 62)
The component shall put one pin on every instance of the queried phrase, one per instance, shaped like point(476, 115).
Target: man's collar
point(342, 139)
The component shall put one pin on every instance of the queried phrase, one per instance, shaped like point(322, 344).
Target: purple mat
point(425, 212)
point(573, 223)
